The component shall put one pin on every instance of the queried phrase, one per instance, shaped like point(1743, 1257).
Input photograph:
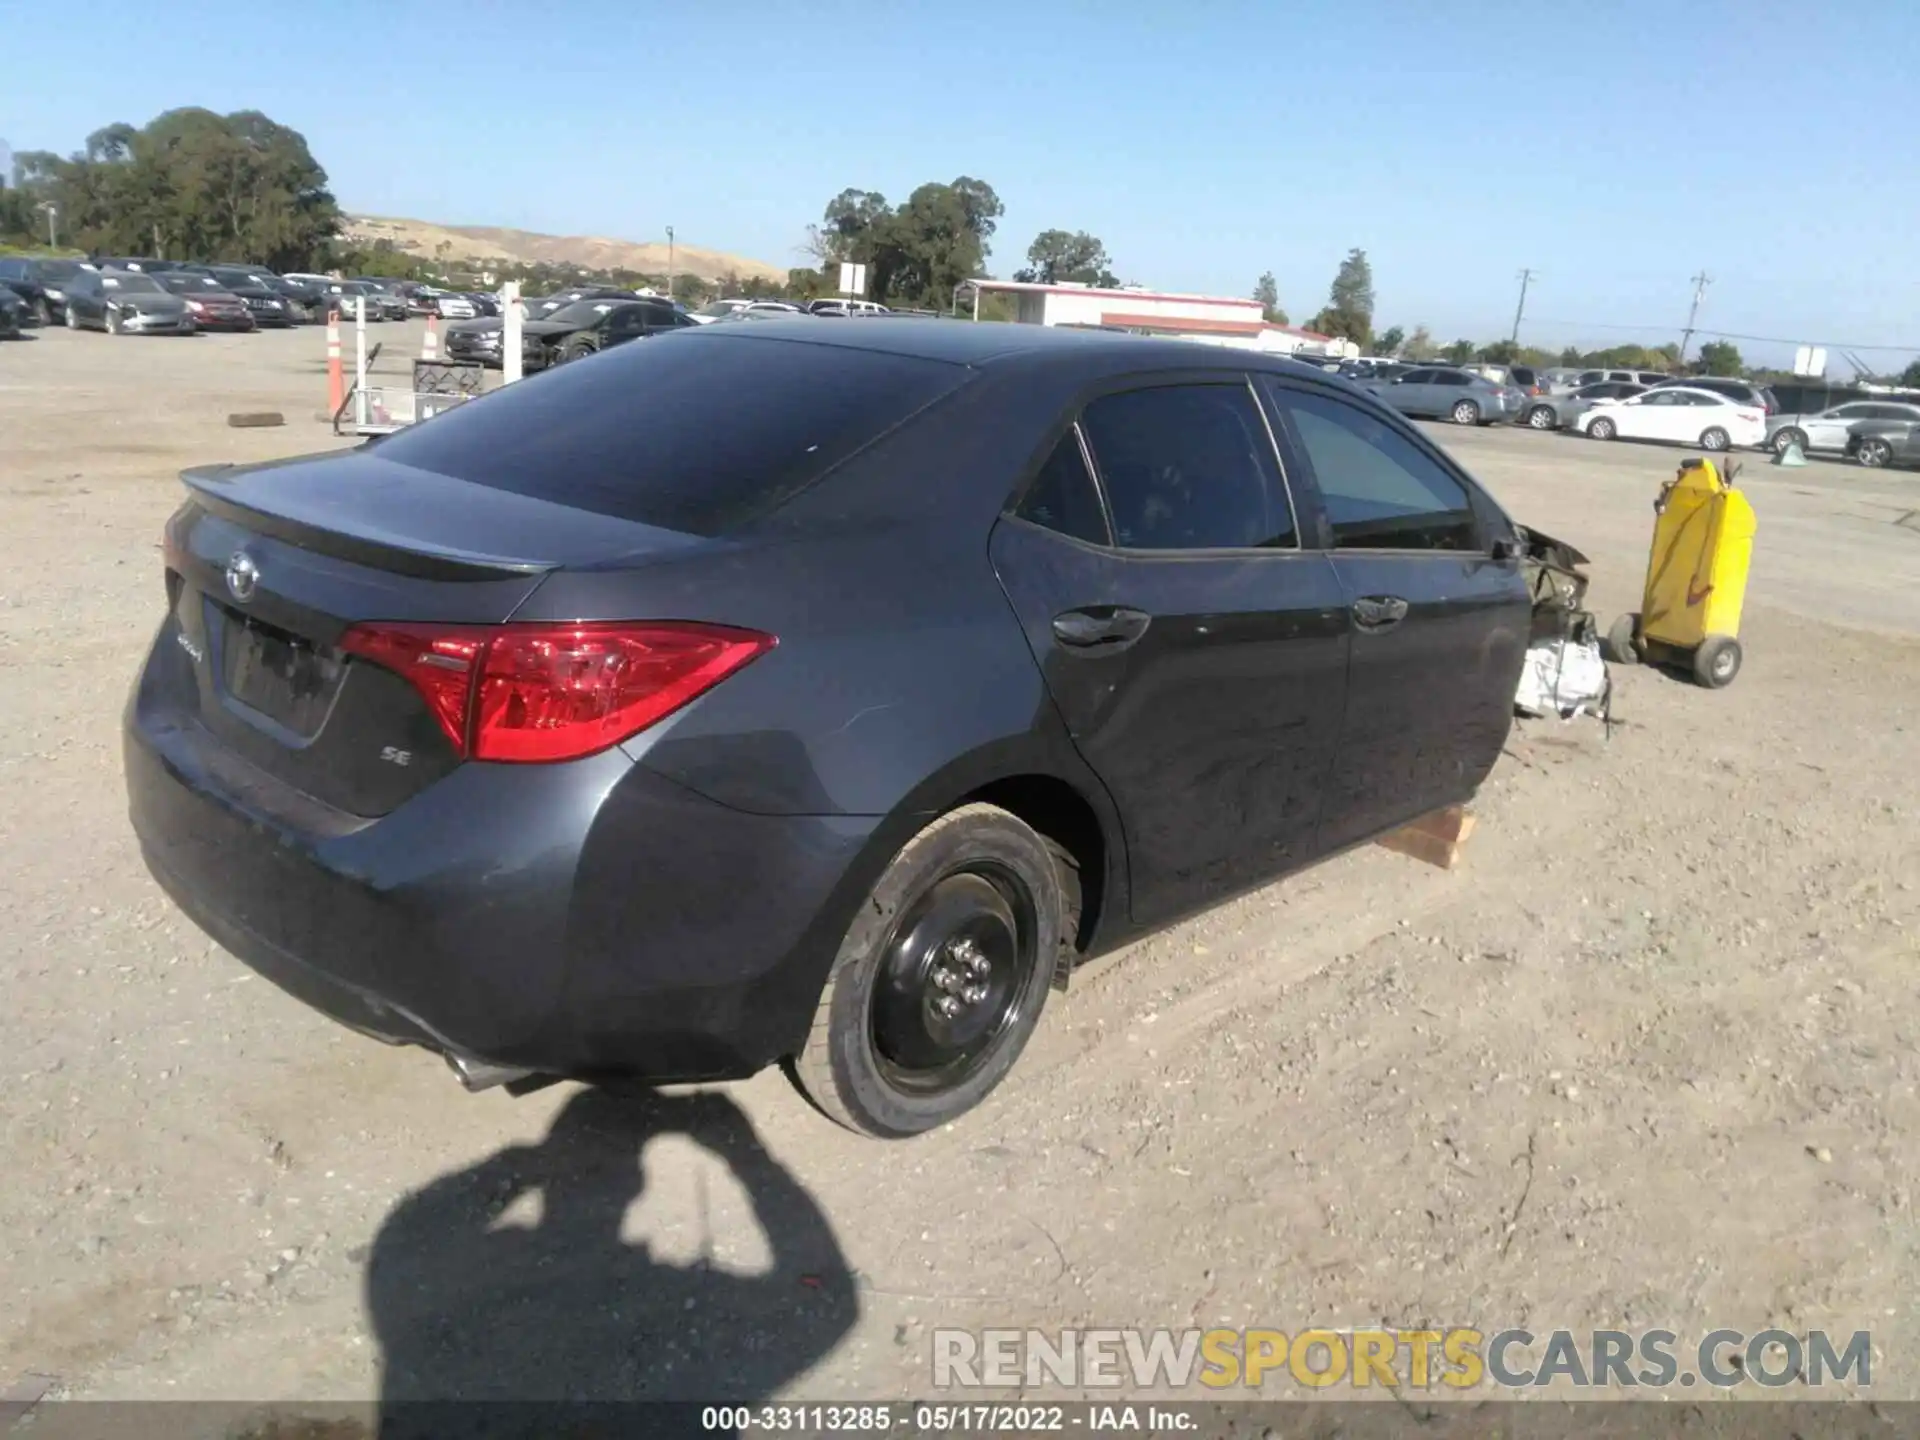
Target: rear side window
point(1381, 491)
point(693, 432)
point(1189, 467)
point(1062, 496)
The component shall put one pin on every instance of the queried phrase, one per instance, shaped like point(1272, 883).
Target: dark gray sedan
point(1441, 392)
point(1556, 412)
point(124, 302)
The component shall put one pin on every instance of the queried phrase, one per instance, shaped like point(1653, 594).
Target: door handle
point(1101, 627)
point(1379, 612)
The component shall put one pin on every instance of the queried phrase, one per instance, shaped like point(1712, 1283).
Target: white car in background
point(454, 307)
point(1679, 414)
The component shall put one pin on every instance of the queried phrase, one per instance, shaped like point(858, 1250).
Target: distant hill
point(590, 252)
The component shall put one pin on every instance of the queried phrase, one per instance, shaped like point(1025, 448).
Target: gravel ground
point(1646, 1060)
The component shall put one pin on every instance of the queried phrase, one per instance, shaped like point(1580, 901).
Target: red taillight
point(544, 692)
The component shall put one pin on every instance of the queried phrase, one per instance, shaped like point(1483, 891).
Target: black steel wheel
point(941, 978)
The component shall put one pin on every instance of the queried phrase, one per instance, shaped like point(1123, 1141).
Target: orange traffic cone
point(430, 347)
point(336, 383)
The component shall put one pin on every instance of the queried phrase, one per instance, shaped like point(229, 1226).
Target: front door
point(1196, 651)
point(1440, 628)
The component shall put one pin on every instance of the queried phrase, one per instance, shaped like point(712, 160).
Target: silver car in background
point(1557, 412)
point(1832, 429)
point(1445, 392)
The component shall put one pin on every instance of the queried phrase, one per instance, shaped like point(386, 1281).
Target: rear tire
point(42, 311)
point(1792, 435)
point(1623, 640)
point(1542, 417)
point(1873, 452)
point(1602, 429)
point(1715, 439)
point(1717, 661)
point(940, 980)
point(574, 350)
point(1466, 413)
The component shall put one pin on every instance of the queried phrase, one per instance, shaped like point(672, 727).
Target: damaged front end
point(1565, 673)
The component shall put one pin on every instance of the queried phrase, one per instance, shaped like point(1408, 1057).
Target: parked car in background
point(540, 307)
point(125, 302)
point(479, 342)
point(212, 305)
point(449, 306)
point(269, 308)
point(1678, 414)
point(845, 307)
point(575, 331)
point(483, 304)
point(1830, 431)
point(1878, 443)
point(346, 294)
point(1743, 392)
point(42, 281)
point(1448, 392)
point(922, 732)
point(1561, 379)
point(1648, 378)
point(15, 313)
point(1557, 412)
point(718, 310)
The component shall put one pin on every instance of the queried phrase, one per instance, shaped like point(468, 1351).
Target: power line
point(1727, 335)
point(1526, 277)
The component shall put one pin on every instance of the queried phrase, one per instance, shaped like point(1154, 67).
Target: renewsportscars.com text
point(1458, 1359)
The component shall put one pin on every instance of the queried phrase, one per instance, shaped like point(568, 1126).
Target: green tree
point(1718, 357)
point(1500, 352)
point(191, 184)
point(1349, 311)
point(1571, 356)
point(1458, 353)
point(1911, 375)
point(1419, 345)
point(1057, 255)
point(1267, 291)
point(916, 253)
point(1389, 341)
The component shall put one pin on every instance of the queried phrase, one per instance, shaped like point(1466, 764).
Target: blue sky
point(1615, 149)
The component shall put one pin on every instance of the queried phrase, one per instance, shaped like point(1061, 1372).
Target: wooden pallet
point(1436, 839)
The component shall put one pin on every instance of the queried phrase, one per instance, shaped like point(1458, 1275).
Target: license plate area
point(288, 679)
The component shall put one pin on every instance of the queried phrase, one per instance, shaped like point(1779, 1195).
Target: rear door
point(1412, 393)
point(1439, 626)
point(1195, 649)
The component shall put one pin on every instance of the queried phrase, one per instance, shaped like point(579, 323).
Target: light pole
point(669, 262)
point(53, 223)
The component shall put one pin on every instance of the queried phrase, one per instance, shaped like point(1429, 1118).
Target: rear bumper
point(592, 919)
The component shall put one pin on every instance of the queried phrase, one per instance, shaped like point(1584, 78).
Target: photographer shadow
point(491, 1327)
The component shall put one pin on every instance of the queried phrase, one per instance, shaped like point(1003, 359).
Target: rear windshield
point(689, 431)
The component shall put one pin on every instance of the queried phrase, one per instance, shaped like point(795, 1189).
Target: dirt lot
point(1648, 1059)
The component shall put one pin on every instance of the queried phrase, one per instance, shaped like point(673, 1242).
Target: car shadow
point(488, 1326)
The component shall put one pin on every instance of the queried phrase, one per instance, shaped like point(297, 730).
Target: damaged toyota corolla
point(826, 717)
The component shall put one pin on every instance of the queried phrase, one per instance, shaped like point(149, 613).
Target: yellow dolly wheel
point(1717, 661)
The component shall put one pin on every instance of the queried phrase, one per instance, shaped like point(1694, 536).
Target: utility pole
point(1700, 283)
point(1526, 278)
point(669, 262)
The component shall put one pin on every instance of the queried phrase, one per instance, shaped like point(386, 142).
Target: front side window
point(1381, 491)
point(1189, 467)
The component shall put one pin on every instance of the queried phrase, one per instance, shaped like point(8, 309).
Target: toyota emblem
point(243, 576)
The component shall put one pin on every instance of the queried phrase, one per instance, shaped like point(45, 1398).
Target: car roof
point(971, 343)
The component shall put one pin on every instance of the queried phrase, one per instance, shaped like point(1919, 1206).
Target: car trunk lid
point(269, 567)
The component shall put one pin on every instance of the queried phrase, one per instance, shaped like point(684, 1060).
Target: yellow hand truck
point(1696, 578)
